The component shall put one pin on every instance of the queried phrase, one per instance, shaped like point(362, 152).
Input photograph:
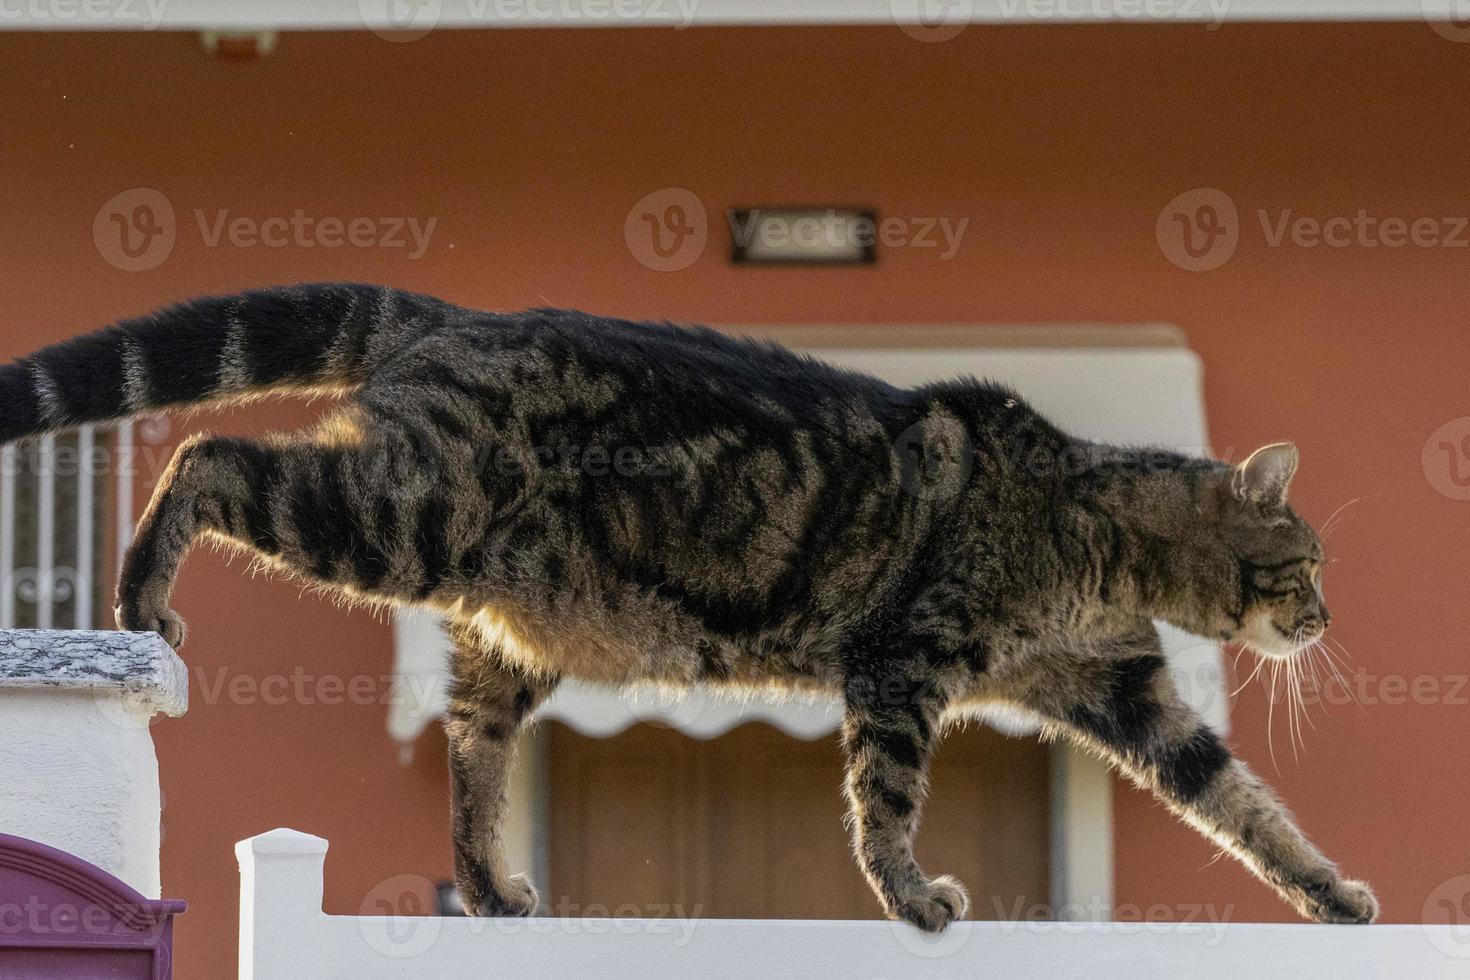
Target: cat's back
point(601, 356)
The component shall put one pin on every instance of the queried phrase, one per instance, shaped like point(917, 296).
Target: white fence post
point(77, 766)
point(280, 905)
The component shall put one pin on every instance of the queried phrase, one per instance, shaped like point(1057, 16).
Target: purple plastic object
point(63, 917)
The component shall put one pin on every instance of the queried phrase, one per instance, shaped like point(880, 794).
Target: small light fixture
point(239, 45)
point(803, 235)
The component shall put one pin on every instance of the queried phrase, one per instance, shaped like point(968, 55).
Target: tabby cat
point(612, 501)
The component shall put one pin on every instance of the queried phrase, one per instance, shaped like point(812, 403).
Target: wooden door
point(749, 825)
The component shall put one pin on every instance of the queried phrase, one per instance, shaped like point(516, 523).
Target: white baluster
point(82, 581)
point(8, 464)
point(45, 528)
point(123, 461)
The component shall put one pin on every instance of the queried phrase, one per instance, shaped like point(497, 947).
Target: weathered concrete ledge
point(78, 771)
point(140, 666)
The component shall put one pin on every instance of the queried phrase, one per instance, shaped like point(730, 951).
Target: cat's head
point(1259, 564)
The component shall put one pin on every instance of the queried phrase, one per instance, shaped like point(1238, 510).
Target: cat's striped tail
point(316, 337)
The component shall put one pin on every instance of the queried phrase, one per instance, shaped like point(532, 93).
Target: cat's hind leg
point(888, 732)
point(490, 703)
point(211, 484)
point(342, 513)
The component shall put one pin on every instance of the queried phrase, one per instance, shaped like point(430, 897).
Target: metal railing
point(62, 499)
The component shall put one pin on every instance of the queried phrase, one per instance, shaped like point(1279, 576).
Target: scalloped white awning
point(1119, 384)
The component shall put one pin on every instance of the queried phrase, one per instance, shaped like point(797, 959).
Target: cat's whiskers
point(1328, 647)
point(1306, 673)
point(1260, 662)
point(1291, 674)
point(1328, 526)
point(1320, 649)
point(1319, 678)
point(1340, 649)
point(1293, 697)
point(1319, 682)
point(1271, 714)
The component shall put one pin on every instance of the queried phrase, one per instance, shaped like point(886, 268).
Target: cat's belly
point(567, 646)
point(642, 639)
point(634, 640)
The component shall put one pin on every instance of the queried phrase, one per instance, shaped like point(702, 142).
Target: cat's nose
point(1326, 618)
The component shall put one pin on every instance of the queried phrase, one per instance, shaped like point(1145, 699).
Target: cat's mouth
point(1264, 637)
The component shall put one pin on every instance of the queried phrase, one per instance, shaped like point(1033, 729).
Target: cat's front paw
point(936, 905)
point(1347, 901)
point(514, 898)
point(165, 622)
point(1328, 898)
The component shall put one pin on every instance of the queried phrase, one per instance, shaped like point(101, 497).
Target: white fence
point(285, 935)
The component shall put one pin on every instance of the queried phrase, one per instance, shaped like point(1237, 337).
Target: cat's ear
point(1265, 475)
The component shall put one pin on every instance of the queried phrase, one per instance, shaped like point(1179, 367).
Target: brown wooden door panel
point(749, 825)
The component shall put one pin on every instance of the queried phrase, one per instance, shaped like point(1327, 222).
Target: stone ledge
point(139, 666)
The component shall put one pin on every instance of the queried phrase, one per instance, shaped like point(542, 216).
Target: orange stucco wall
point(1059, 144)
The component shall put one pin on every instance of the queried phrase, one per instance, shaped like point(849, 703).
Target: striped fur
point(310, 338)
point(612, 501)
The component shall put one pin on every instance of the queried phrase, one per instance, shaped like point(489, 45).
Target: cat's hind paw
point(936, 905)
point(165, 622)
